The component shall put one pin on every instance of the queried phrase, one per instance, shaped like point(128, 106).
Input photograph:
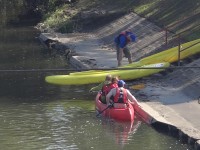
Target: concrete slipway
point(169, 102)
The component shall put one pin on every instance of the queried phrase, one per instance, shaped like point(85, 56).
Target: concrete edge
point(80, 62)
point(76, 61)
point(153, 118)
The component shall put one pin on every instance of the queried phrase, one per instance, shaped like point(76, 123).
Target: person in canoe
point(114, 83)
point(105, 87)
point(120, 95)
point(121, 41)
point(99, 87)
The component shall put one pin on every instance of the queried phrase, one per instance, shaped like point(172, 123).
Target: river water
point(36, 115)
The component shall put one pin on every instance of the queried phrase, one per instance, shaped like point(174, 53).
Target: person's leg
point(128, 54)
point(119, 55)
point(130, 60)
point(120, 58)
point(103, 99)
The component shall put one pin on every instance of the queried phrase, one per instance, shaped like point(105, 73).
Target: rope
point(101, 69)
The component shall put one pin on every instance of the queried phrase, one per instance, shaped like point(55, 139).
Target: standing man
point(122, 41)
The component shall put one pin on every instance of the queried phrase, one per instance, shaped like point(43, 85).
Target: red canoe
point(120, 112)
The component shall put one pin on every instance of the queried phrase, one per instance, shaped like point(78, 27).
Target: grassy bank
point(179, 16)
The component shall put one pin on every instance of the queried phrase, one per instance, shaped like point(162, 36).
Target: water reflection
point(64, 124)
point(120, 132)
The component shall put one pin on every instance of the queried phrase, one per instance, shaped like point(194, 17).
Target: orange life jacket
point(120, 96)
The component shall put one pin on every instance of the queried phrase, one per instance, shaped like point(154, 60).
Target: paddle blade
point(138, 86)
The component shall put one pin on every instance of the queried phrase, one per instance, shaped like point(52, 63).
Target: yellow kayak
point(134, 64)
point(171, 55)
point(100, 77)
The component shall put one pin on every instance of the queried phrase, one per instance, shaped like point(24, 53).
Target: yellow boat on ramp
point(100, 77)
point(169, 55)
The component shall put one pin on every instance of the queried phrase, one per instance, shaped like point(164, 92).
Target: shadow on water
point(20, 51)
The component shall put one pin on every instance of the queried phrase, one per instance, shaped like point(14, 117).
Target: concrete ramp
point(99, 45)
point(149, 36)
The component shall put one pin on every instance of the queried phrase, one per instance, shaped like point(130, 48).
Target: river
point(37, 115)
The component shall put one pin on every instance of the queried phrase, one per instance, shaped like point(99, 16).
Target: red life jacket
point(113, 85)
point(105, 89)
point(120, 96)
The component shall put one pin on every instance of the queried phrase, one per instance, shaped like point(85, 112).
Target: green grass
point(58, 17)
point(172, 15)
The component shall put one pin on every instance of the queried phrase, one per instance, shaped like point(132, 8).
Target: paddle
point(138, 86)
point(109, 106)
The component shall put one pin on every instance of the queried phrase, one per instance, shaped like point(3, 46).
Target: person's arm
point(97, 88)
point(108, 96)
point(132, 98)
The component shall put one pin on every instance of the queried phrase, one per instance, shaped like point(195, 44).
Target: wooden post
point(179, 50)
point(166, 37)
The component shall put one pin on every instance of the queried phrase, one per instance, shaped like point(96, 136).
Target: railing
point(178, 35)
point(177, 38)
point(179, 50)
point(168, 28)
point(179, 43)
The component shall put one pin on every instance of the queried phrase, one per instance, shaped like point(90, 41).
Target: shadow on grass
point(177, 16)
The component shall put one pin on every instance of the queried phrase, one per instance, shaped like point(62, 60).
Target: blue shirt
point(122, 41)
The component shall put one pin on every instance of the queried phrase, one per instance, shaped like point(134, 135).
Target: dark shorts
point(103, 99)
point(126, 52)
